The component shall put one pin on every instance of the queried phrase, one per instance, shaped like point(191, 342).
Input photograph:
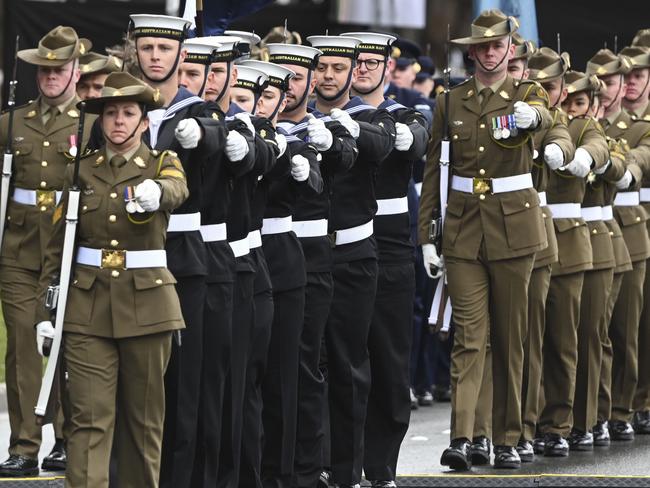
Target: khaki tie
point(116, 163)
point(485, 97)
point(49, 117)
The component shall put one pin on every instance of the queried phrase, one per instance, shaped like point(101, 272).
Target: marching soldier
point(43, 138)
point(518, 65)
point(492, 230)
point(95, 68)
point(638, 82)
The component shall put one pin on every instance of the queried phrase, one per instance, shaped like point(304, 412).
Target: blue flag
point(523, 10)
point(219, 14)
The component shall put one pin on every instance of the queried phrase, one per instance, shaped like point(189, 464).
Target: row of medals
point(504, 127)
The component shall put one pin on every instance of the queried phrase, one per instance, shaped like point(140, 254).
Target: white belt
point(254, 239)
point(392, 206)
point(353, 234)
point(542, 199)
point(645, 194)
point(278, 225)
point(494, 185)
point(30, 197)
point(627, 199)
point(565, 210)
point(214, 232)
point(310, 228)
point(607, 213)
point(240, 248)
point(184, 222)
point(118, 259)
point(591, 214)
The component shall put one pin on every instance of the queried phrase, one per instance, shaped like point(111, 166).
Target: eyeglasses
point(371, 64)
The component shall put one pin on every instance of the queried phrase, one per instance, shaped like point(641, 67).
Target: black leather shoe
point(619, 430)
point(17, 466)
point(601, 434)
point(641, 422)
point(526, 451)
point(56, 460)
point(425, 399)
point(442, 393)
point(538, 445)
point(324, 479)
point(457, 456)
point(555, 446)
point(581, 441)
point(480, 450)
point(383, 484)
point(506, 457)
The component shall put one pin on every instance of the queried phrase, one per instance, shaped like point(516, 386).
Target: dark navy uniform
point(411, 99)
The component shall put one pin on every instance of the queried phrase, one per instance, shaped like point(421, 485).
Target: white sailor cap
point(372, 42)
point(297, 54)
point(279, 76)
point(251, 78)
point(345, 47)
point(200, 52)
point(226, 47)
point(248, 40)
point(151, 25)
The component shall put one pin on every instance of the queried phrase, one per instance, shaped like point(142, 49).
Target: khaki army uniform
point(489, 242)
point(117, 329)
point(41, 146)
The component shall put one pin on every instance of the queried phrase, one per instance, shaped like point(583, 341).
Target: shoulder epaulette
point(89, 153)
point(459, 84)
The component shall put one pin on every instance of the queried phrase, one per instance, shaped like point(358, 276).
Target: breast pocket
point(461, 138)
point(155, 296)
point(88, 208)
point(81, 297)
point(22, 152)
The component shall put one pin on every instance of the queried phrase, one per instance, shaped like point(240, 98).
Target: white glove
point(525, 116)
point(147, 195)
point(625, 182)
point(403, 137)
point(581, 164)
point(319, 135)
point(44, 330)
point(236, 146)
point(432, 260)
point(299, 168)
point(246, 119)
point(281, 141)
point(346, 121)
point(188, 133)
point(553, 156)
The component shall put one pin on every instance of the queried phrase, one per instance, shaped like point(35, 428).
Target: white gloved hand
point(403, 137)
point(44, 330)
point(625, 182)
point(236, 146)
point(299, 168)
point(147, 195)
point(432, 260)
point(581, 164)
point(319, 135)
point(525, 116)
point(281, 141)
point(188, 133)
point(346, 121)
point(246, 119)
point(553, 156)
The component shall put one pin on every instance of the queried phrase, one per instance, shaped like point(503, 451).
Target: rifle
point(58, 298)
point(198, 19)
point(8, 159)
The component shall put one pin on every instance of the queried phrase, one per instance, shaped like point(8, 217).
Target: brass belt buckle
point(481, 185)
point(332, 237)
point(46, 198)
point(113, 259)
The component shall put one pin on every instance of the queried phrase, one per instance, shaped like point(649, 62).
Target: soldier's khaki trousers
point(108, 375)
point(642, 395)
point(484, 405)
point(593, 308)
point(23, 364)
point(561, 353)
point(488, 297)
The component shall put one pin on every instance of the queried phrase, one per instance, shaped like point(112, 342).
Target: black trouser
point(217, 345)
point(182, 388)
point(348, 365)
point(232, 418)
point(389, 346)
point(308, 462)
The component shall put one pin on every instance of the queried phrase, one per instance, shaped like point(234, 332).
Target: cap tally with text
point(605, 62)
point(58, 47)
point(577, 81)
point(200, 52)
point(488, 26)
point(227, 47)
point(251, 78)
point(344, 47)
point(294, 54)
point(123, 87)
point(279, 76)
point(372, 42)
point(248, 40)
point(547, 65)
point(167, 26)
point(638, 56)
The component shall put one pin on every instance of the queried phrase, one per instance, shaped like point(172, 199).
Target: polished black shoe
point(383, 484)
point(480, 450)
point(425, 399)
point(442, 393)
point(538, 445)
point(619, 430)
point(581, 441)
point(555, 446)
point(17, 466)
point(506, 457)
point(324, 479)
point(526, 451)
point(457, 456)
point(600, 432)
point(56, 460)
point(641, 422)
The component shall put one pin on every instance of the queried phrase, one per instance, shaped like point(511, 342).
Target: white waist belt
point(627, 199)
point(645, 194)
point(30, 197)
point(105, 258)
point(310, 228)
point(254, 239)
point(240, 248)
point(214, 232)
point(392, 206)
point(278, 225)
point(591, 214)
point(497, 185)
point(565, 210)
point(542, 199)
point(353, 234)
point(607, 213)
point(184, 222)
